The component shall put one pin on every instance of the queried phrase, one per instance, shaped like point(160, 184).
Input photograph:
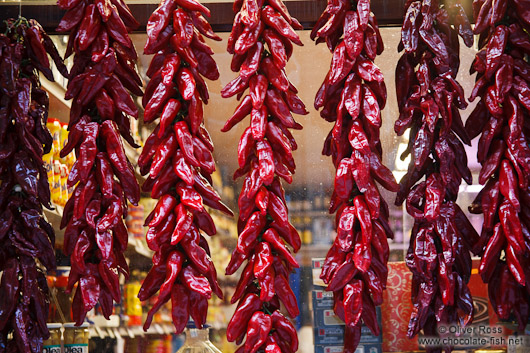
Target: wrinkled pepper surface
point(261, 44)
point(429, 101)
point(101, 81)
point(178, 161)
point(501, 118)
point(26, 238)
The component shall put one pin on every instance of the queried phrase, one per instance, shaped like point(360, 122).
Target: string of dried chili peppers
point(178, 158)
point(100, 80)
point(501, 119)
point(27, 239)
point(260, 42)
point(429, 99)
point(352, 96)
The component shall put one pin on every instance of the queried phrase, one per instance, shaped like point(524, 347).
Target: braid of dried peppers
point(501, 119)
point(102, 75)
point(352, 96)
point(25, 235)
point(260, 42)
point(178, 158)
point(429, 99)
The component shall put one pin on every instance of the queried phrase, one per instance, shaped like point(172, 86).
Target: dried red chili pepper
point(261, 43)
point(101, 78)
point(430, 99)
point(178, 158)
point(499, 119)
point(25, 234)
point(349, 99)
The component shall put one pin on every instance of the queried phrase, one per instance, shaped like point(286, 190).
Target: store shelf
point(113, 329)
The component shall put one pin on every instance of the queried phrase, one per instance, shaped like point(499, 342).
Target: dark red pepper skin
point(352, 96)
point(430, 100)
point(500, 120)
point(101, 82)
point(178, 160)
point(264, 154)
point(27, 240)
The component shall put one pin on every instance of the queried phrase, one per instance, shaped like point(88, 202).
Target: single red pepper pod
point(183, 26)
point(186, 83)
point(259, 326)
point(185, 142)
point(258, 123)
point(195, 282)
point(239, 321)
point(353, 303)
point(266, 164)
point(163, 208)
point(168, 115)
point(263, 260)
point(163, 155)
point(189, 196)
point(286, 295)
point(272, 237)
point(170, 67)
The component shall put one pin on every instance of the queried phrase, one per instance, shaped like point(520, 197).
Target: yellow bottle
point(63, 137)
point(64, 187)
point(56, 184)
point(55, 129)
point(48, 164)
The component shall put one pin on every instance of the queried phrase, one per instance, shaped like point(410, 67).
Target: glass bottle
point(197, 341)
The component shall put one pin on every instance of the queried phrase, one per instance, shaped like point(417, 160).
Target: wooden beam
point(388, 12)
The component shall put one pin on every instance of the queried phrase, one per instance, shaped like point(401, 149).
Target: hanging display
point(500, 118)
point(101, 81)
point(26, 239)
point(352, 97)
point(430, 99)
point(178, 158)
point(260, 43)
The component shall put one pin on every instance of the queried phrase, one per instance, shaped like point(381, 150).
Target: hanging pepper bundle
point(260, 42)
point(352, 96)
point(100, 80)
point(27, 239)
point(429, 99)
point(501, 119)
point(178, 158)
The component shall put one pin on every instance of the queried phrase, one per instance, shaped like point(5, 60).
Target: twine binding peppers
point(500, 118)
point(101, 81)
point(261, 43)
point(178, 158)
point(27, 239)
point(430, 100)
point(352, 96)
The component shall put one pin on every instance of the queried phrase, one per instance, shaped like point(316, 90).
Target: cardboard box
point(334, 335)
point(362, 348)
point(316, 266)
point(322, 299)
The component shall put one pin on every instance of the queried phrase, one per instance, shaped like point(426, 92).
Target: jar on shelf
point(53, 344)
point(75, 338)
point(197, 340)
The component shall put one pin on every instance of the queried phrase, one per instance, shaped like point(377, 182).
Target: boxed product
point(334, 335)
point(316, 266)
point(361, 348)
point(396, 309)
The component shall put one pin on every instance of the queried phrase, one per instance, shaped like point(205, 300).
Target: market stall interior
point(307, 198)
